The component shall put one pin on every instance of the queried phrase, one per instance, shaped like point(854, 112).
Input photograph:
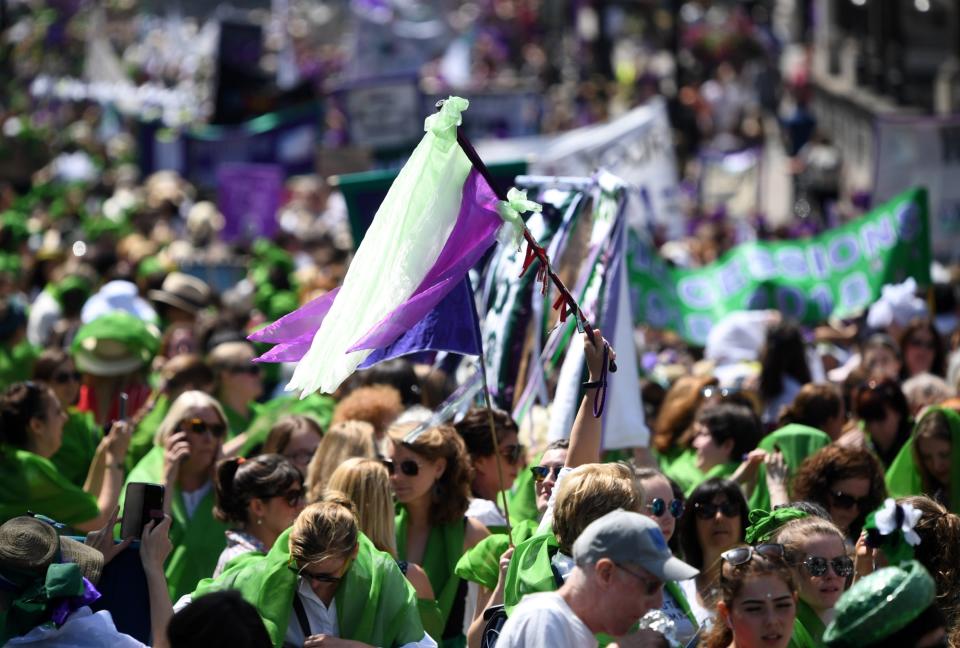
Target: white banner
point(924, 152)
point(637, 147)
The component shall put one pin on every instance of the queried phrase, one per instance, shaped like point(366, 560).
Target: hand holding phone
point(142, 504)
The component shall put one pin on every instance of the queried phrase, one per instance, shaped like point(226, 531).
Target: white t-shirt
point(545, 619)
point(192, 499)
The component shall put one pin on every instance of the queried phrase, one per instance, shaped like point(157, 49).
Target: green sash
point(81, 435)
point(797, 442)
point(444, 548)
point(197, 541)
point(903, 475)
point(481, 563)
point(141, 441)
point(29, 482)
point(375, 603)
point(807, 628)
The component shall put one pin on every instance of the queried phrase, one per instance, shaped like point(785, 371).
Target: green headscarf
point(903, 476)
point(796, 442)
point(764, 524)
point(880, 604)
point(375, 603)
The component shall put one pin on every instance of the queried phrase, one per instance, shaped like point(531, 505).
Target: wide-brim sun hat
point(182, 291)
point(31, 545)
point(114, 345)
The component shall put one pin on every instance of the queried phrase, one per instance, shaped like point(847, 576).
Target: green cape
point(903, 476)
point(141, 441)
point(81, 435)
point(29, 482)
point(197, 541)
point(796, 442)
point(481, 563)
point(375, 603)
point(444, 548)
point(807, 628)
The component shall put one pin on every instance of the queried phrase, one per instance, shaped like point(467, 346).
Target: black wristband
point(592, 384)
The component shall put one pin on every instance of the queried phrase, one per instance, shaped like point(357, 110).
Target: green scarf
point(81, 435)
point(808, 628)
point(903, 475)
point(142, 439)
point(764, 524)
point(444, 548)
point(29, 482)
point(522, 497)
point(236, 422)
point(38, 595)
point(375, 603)
point(481, 563)
point(796, 442)
point(684, 471)
point(197, 541)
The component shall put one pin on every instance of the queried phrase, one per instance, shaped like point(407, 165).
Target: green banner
point(837, 273)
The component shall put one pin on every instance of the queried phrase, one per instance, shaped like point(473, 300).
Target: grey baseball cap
point(630, 538)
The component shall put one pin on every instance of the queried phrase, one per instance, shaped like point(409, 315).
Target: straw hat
point(182, 291)
point(32, 545)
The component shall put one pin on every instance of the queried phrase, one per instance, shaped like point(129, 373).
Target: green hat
point(764, 524)
point(115, 344)
point(72, 282)
point(880, 604)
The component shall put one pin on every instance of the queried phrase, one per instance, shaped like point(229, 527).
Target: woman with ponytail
point(260, 498)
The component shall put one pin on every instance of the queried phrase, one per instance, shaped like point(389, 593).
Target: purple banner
point(249, 196)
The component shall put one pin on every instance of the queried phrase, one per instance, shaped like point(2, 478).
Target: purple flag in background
point(439, 316)
point(249, 196)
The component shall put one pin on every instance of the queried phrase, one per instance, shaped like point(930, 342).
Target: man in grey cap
point(622, 562)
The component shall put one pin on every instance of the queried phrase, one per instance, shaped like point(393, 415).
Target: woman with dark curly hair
point(431, 477)
point(921, 348)
point(848, 482)
point(714, 519)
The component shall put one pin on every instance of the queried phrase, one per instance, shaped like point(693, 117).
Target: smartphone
point(143, 502)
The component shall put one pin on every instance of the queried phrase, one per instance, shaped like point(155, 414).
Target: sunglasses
point(844, 501)
point(540, 473)
point(658, 507)
point(291, 497)
point(408, 467)
point(251, 369)
point(318, 578)
point(708, 510)
point(743, 555)
point(817, 565)
point(199, 426)
point(64, 377)
point(512, 453)
point(650, 586)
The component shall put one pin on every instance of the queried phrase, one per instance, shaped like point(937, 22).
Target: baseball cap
point(630, 538)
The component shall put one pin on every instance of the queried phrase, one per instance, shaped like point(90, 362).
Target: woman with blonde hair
point(324, 580)
point(341, 442)
point(431, 476)
point(187, 446)
point(366, 483)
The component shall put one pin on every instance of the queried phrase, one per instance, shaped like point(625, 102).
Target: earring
point(259, 521)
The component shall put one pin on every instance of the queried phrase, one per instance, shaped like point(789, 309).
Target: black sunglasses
point(708, 510)
point(844, 501)
point(817, 565)
point(291, 497)
point(408, 467)
point(252, 369)
point(512, 453)
point(64, 377)
point(315, 578)
point(540, 473)
point(743, 555)
point(199, 426)
point(658, 507)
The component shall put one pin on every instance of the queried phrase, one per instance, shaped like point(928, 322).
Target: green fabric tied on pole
point(511, 211)
point(903, 476)
point(763, 524)
point(444, 122)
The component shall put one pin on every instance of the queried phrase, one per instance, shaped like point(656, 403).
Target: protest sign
point(837, 273)
point(924, 152)
point(249, 196)
point(637, 147)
